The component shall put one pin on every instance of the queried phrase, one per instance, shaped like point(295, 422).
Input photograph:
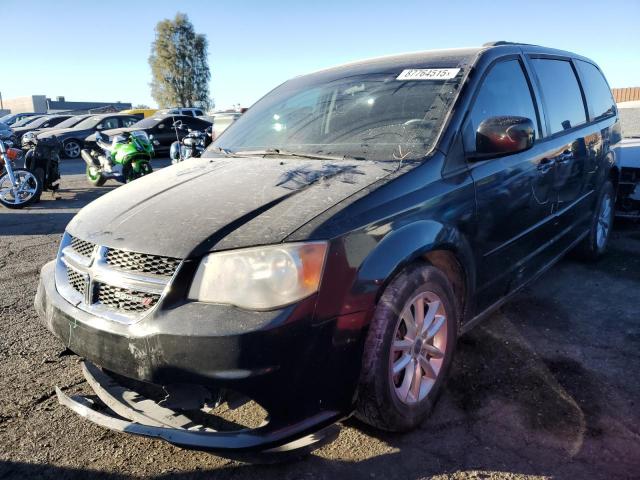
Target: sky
point(98, 51)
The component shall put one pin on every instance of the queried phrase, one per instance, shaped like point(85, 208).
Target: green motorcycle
point(126, 158)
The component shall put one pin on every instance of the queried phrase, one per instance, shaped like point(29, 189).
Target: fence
point(628, 94)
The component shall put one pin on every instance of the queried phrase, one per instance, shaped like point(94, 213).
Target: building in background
point(44, 104)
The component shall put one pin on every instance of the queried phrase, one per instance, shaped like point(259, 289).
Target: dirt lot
point(549, 386)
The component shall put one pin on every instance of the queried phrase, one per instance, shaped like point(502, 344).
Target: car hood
point(210, 204)
point(630, 152)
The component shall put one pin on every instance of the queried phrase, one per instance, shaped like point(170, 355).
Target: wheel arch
point(443, 246)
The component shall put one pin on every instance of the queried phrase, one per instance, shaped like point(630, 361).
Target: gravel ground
point(548, 387)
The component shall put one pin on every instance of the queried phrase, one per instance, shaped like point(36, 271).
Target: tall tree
point(178, 60)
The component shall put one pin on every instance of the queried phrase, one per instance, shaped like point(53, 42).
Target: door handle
point(565, 157)
point(545, 165)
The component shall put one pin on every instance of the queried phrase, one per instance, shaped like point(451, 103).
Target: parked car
point(190, 111)
point(72, 139)
point(47, 121)
point(324, 256)
point(162, 129)
point(628, 202)
point(145, 112)
point(12, 118)
point(6, 134)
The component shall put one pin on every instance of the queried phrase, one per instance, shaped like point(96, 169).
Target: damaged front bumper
point(301, 371)
point(127, 411)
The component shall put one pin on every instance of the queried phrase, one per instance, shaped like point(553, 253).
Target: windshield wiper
point(287, 153)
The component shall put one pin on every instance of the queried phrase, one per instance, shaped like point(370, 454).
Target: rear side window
point(561, 94)
point(599, 98)
point(504, 92)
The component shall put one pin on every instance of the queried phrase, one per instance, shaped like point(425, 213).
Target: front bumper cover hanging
point(128, 411)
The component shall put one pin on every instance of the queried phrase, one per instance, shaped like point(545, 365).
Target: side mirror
point(99, 127)
point(161, 126)
point(499, 136)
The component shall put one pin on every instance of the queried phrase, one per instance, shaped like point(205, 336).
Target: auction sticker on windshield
point(428, 74)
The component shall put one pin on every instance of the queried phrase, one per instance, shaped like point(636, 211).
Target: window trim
point(472, 102)
point(546, 56)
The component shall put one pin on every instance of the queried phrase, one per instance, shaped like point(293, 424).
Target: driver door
point(514, 193)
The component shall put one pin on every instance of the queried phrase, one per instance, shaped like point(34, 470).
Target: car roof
point(446, 58)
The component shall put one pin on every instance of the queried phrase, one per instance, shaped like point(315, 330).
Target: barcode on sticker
point(428, 74)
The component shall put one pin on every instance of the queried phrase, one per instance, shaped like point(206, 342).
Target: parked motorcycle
point(42, 158)
point(126, 158)
point(192, 144)
point(18, 186)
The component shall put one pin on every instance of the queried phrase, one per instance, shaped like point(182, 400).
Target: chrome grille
point(111, 283)
point(77, 281)
point(82, 247)
point(124, 299)
point(142, 262)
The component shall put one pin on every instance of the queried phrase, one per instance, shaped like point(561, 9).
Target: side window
point(128, 121)
point(198, 113)
point(561, 94)
point(109, 123)
point(599, 98)
point(504, 91)
point(187, 112)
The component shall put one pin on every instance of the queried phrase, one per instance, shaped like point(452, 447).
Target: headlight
point(260, 278)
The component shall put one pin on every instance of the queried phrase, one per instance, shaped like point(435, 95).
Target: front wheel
point(94, 176)
point(26, 190)
point(408, 350)
point(130, 174)
point(595, 243)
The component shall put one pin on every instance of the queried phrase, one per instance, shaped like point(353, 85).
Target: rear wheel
point(94, 176)
point(408, 350)
point(595, 243)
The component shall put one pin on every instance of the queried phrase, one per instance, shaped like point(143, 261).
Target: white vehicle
point(193, 112)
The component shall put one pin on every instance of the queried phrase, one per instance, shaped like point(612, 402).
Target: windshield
point(25, 121)
point(39, 121)
point(374, 116)
point(630, 121)
point(148, 122)
point(89, 122)
point(70, 122)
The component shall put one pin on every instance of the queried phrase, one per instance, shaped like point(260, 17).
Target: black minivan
point(330, 247)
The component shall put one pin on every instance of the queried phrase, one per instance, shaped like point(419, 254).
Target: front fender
point(378, 261)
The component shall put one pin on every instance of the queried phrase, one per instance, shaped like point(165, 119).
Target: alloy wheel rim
point(72, 149)
point(604, 221)
point(24, 190)
point(418, 348)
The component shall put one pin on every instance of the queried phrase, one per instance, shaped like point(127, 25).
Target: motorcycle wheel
point(131, 174)
point(95, 178)
point(29, 184)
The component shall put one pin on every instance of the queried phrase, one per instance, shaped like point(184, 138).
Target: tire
point(595, 243)
point(39, 173)
point(96, 180)
point(130, 174)
point(381, 401)
point(71, 148)
point(36, 187)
